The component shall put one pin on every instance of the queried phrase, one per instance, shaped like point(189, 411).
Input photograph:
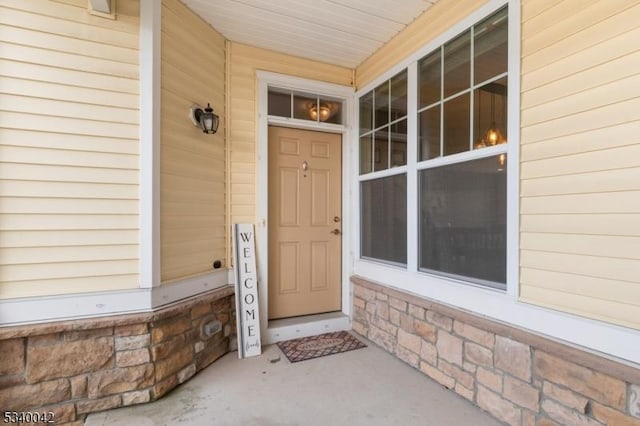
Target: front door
point(305, 222)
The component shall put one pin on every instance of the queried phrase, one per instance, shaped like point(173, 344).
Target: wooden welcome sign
point(247, 315)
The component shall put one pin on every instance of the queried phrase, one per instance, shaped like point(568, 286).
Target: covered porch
point(367, 386)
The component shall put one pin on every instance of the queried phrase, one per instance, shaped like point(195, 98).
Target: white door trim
point(344, 93)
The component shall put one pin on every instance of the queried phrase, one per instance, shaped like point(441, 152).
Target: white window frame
point(389, 171)
point(497, 304)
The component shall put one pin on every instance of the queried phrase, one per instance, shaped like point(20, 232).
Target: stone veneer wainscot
point(73, 368)
point(519, 377)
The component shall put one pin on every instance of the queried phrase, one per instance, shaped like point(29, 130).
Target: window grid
point(414, 164)
point(472, 88)
point(372, 173)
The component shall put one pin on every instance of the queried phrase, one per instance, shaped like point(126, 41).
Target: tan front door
point(305, 222)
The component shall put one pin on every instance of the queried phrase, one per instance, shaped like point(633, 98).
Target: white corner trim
point(150, 27)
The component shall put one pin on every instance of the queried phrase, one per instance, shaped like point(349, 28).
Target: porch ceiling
point(340, 32)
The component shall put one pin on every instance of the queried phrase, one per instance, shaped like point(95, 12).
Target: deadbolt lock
point(336, 219)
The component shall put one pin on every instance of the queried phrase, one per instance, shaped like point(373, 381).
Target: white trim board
point(149, 214)
point(344, 93)
point(33, 310)
point(293, 328)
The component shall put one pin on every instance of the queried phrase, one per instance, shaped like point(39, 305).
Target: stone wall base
point(72, 368)
point(518, 377)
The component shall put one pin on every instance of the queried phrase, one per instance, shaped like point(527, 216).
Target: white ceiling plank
point(341, 54)
point(302, 42)
point(340, 32)
point(333, 17)
point(314, 34)
point(404, 11)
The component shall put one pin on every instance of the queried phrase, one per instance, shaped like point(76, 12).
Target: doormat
point(305, 348)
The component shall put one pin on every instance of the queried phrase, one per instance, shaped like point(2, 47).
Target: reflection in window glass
point(456, 124)
point(330, 111)
point(490, 46)
point(279, 104)
point(398, 137)
point(383, 219)
point(366, 112)
point(429, 79)
point(463, 209)
point(429, 144)
point(306, 106)
point(398, 96)
point(490, 114)
point(366, 143)
point(302, 106)
point(381, 102)
point(381, 150)
point(457, 64)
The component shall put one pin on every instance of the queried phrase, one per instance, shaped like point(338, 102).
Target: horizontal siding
point(436, 20)
point(613, 312)
point(67, 285)
point(192, 164)
point(245, 61)
point(580, 158)
point(80, 233)
point(69, 144)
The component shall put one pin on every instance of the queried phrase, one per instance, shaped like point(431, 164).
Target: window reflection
point(383, 219)
point(457, 64)
point(456, 124)
point(463, 210)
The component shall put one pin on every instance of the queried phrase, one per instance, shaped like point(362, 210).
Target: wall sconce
point(205, 118)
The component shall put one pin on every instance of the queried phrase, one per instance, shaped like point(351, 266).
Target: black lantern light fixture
point(204, 118)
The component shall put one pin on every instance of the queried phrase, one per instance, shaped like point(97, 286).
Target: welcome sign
point(247, 316)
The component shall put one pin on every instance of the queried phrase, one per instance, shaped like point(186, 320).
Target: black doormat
point(305, 348)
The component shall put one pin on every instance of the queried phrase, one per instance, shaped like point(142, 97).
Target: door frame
point(346, 94)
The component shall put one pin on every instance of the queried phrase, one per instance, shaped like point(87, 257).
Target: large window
point(463, 107)
point(463, 218)
point(383, 150)
point(384, 218)
point(460, 152)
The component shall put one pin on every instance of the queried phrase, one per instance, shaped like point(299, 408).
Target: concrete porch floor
point(361, 387)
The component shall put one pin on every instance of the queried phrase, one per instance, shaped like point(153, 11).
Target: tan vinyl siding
point(192, 169)
point(436, 20)
point(580, 153)
point(68, 148)
point(245, 61)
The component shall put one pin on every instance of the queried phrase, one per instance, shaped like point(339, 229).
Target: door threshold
point(308, 325)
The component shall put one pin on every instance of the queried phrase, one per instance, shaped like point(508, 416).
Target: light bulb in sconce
point(324, 112)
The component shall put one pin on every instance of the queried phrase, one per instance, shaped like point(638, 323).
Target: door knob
point(336, 231)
